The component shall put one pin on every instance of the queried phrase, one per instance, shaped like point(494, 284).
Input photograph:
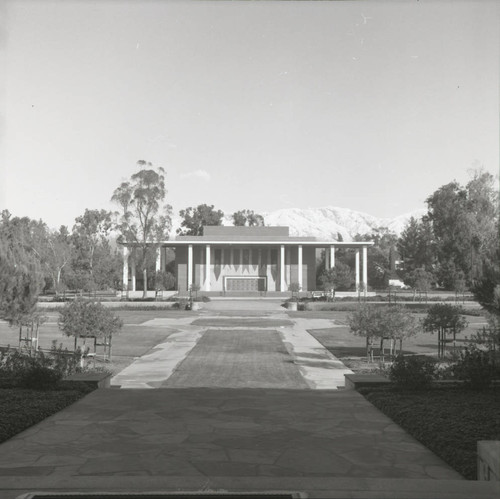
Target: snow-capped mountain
point(327, 222)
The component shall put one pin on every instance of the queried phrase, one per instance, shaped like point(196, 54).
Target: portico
point(249, 259)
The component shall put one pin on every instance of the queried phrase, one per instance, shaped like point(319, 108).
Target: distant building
point(232, 260)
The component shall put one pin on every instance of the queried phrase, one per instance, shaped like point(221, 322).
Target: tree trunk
point(145, 278)
point(439, 343)
point(369, 349)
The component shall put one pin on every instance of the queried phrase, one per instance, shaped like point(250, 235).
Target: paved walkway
point(244, 348)
point(208, 433)
point(326, 443)
point(330, 444)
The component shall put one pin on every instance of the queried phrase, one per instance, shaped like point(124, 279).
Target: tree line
point(454, 246)
point(36, 259)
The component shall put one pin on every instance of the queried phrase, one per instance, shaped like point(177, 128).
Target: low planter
point(488, 460)
point(93, 379)
point(355, 381)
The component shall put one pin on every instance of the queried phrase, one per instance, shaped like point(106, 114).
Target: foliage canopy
point(88, 318)
point(194, 219)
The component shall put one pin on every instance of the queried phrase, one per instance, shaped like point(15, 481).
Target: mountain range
point(328, 222)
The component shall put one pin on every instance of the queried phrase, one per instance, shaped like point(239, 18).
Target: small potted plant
point(294, 288)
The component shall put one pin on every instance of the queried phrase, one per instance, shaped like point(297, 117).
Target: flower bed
point(447, 420)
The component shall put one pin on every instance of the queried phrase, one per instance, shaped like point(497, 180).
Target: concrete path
point(319, 367)
point(244, 351)
point(152, 369)
point(324, 443)
point(204, 432)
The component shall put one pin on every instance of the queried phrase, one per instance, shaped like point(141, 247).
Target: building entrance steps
point(234, 303)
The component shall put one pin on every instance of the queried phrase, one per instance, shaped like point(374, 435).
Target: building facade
point(232, 260)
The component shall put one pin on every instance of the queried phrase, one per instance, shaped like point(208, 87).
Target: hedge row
point(448, 421)
point(21, 409)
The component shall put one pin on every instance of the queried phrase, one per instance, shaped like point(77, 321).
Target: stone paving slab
point(204, 432)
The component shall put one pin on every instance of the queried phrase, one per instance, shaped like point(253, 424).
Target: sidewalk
point(322, 442)
point(202, 436)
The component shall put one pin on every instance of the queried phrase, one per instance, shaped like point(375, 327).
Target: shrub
point(412, 373)
point(65, 361)
point(19, 368)
point(40, 378)
point(476, 368)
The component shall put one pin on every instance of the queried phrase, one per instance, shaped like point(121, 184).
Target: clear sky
point(259, 105)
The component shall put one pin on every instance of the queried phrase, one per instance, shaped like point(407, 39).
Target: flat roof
point(220, 235)
point(287, 242)
point(216, 231)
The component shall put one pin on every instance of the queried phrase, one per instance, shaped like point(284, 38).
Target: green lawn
point(22, 408)
point(448, 421)
point(132, 341)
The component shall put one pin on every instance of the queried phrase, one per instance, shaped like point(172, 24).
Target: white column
point(207, 268)
point(158, 259)
point(357, 269)
point(132, 264)
point(288, 268)
point(282, 268)
point(190, 266)
point(163, 259)
point(332, 257)
point(365, 270)
point(299, 263)
point(125, 268)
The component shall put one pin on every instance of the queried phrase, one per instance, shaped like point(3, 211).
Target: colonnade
point(361, 279)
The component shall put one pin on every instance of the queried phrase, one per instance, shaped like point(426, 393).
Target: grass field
point(135, 340)
point(238, 359)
